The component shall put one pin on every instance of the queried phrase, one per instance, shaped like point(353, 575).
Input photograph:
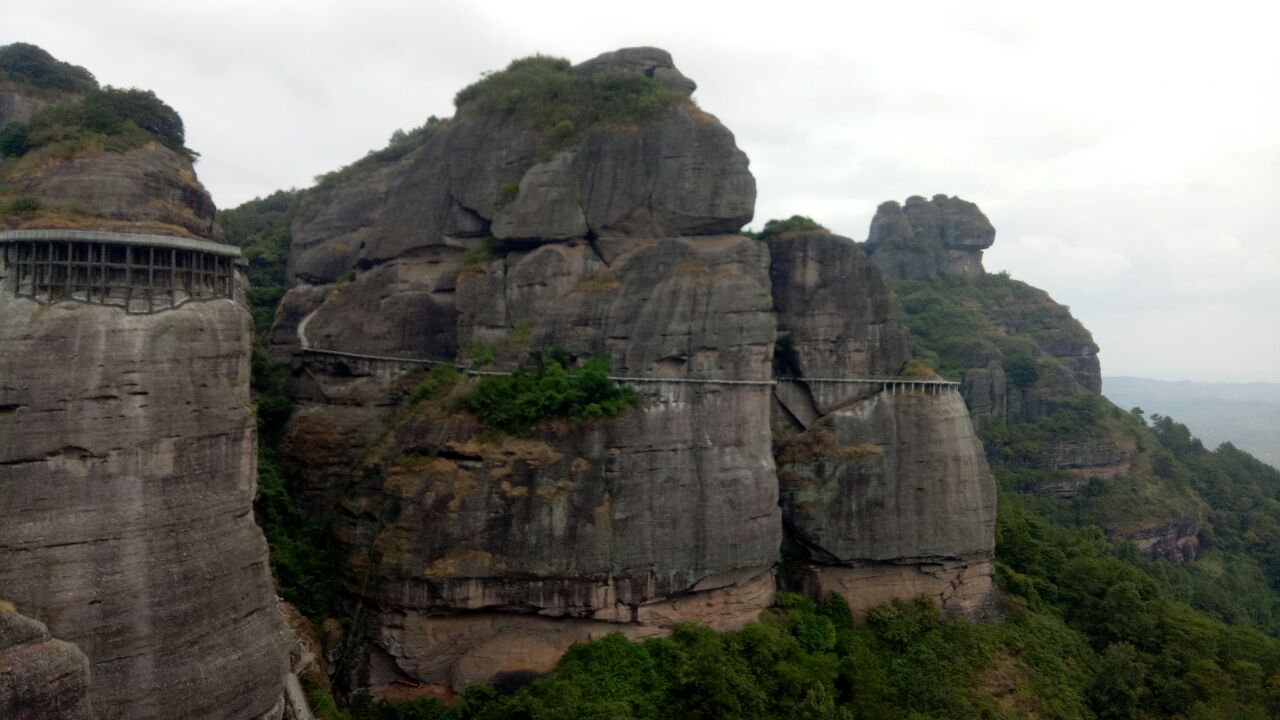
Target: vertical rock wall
point(127, 473)
point(885, 493)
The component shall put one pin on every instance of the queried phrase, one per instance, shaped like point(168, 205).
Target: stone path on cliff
point(385, 365)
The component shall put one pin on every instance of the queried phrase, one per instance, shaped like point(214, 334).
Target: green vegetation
point(112, 119)
point(31, 65)
point(793, 224)
point(437, 381)
point(301, 562)
point(961, 323)
point(260, 228)
point(540, 92)
point(401, 143)
point(516, 403)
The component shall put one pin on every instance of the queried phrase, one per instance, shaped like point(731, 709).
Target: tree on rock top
point(30, 64)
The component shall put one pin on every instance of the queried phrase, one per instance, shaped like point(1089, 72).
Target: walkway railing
point(140, 273)
point(403, 364)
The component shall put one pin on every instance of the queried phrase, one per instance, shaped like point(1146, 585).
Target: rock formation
point(885, 493)
point(41, 678)
point(920, 238)
point(476, 555)
point(470, 555)
point(128, 459)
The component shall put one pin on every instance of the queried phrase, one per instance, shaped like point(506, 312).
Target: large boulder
point(920, 238)
point(41, 678)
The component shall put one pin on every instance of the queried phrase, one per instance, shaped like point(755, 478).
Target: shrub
point(107, 110)
point(24, 206)
point(117, 119)
point(540, 92)
point(440, 379)
point(507, 192)
point(33, 65)
point(793, 224)
point(515, 403)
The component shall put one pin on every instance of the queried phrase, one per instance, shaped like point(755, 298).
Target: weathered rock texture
point(920, 238)
point(476, 556)
point(471, 555)
point(886, 494)
point(150, 189)
point(41, 678)
point(127, 473)
point(147, 189)
point(128, 464)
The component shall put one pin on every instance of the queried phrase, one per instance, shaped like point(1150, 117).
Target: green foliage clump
point(32, 65)
point(23, 206)
point(119, 119)
point(301, 561)
point(516, 403)
point(801, 660)
point(960, 323)
point(438, 380)
point(541, 93)
point(260, 228)
point(793, 224)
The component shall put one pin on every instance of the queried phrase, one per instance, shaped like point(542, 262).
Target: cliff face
point(128, 463)
point(488, 555)
point(41, 678)
point(471, 555)
point(886, 493)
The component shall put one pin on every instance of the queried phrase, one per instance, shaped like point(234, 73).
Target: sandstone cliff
point(41, 678)
point(612, 246)
point(469, 555)
point(128, 460)
point(886, 493)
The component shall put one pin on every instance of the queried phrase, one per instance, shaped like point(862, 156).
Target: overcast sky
point(1128, 153)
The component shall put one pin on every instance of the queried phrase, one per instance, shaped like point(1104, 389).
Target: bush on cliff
point(32, 65)
point(111, 119)
point(540, 92)
point(516, 403)
point(794, 224)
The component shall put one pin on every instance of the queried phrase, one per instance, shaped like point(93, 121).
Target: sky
point(1128, 153)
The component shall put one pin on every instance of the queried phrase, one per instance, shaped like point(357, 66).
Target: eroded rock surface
point(492, 555)
point(473, 556)
point(128, 458)
point(920, 238)
point(151, 188)
point(885, 489)
point(41, 678)
point(126, 476)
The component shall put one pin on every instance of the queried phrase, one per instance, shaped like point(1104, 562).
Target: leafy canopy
point(32, 65)
point(543, 93)
point(794, 224)
point(121, 119)
point(515, 403)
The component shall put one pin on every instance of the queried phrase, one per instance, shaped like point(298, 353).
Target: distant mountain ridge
point(1244, 414)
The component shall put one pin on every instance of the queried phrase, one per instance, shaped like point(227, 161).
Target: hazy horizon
point(1134, 187)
